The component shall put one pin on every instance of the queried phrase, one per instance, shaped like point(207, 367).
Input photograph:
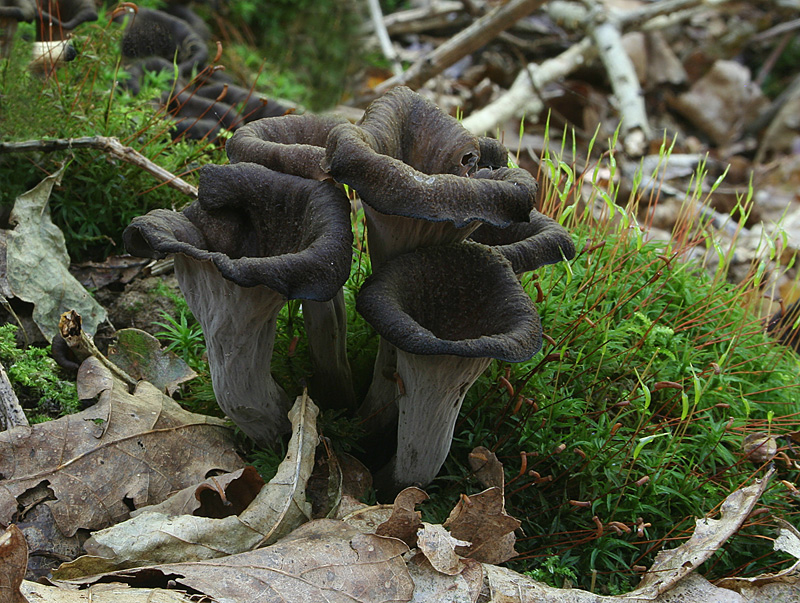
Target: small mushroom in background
point(254, 239)
point(12, 12)
point(448, 311)
point(292, 144)
point(424, 180)
point(154, 41)
point(59, 17)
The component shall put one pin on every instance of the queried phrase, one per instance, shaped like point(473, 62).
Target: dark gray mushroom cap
point(292, 144)
point(18, 10)
point(459, 300)
point(528, 245)
point(408, 158)
point(155, 34)
point(259, 227)
point(68, 14)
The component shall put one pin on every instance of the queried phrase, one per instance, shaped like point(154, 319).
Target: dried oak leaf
point(481, 520)
point(405, 519)
point(431, 585)
point(322, 561)
point(156, 537)
point(13, 560)
point(218, 496)
point(439, 547)
point(140, 355)
point(126, 451)
point(487, 468)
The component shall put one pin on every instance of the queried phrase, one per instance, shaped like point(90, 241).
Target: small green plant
point(37, 379)
point(183, 336)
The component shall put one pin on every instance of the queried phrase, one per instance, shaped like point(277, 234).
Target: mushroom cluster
point(449, 229)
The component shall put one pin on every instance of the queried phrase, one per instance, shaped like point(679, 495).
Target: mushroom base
point(433, 389)
point(239, 328)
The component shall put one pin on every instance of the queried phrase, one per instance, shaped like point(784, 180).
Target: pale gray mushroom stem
point(434, 388)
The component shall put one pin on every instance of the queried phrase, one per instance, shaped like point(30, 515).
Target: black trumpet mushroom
point(448, 311)
point(424, 180)
point(294, 144)
point(254, 239)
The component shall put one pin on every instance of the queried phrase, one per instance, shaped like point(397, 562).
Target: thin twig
point(465, 42)
point(107, 144)
point(10, 408)
point(383, 36)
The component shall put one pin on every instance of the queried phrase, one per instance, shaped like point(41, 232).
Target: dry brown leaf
point(405, 519)
point(431, 585)
point(780, 586)
point(126, 451)
point(364, 518)
point(154, 537)
point(140, 355)
point(487, 469)
point(13, 561)
point(322, 561)
point(218, 496)
point(103, 593)
point(439, 547)
point(481, 520)
point(709, 534)
point(324, 487)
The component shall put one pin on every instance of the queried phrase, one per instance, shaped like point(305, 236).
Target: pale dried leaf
point(140, 355)
point(322, 561)
point(102, 593)
point(709, 534)
point(431, 585)
point(127, 449)
point(38, 264)
point(218, 496)
point(439, 547)
point(481, 520)
point(779, 586)
point(365, 518)
point(13, 561)
point(152, 538)
point(405, 519)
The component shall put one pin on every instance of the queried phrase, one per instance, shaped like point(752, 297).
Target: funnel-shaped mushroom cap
point(292, 144)
point(408, 158)
point(528, 245)
point(67, 14)
point(18, 10)
point(258, 227)
point(155, 34)
point(459, 300)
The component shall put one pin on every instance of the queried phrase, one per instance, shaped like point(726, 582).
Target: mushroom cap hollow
point(258, 227)
point(292, 144)
point(459, 300)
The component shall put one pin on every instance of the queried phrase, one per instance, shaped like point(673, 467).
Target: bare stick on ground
point(469, 40)
point(10, 408)
point(108, 144)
